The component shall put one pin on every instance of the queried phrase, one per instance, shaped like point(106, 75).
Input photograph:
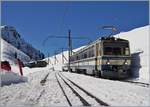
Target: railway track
point(69, 102)
point(137, 83)
point(42, 82)
point(86, 98)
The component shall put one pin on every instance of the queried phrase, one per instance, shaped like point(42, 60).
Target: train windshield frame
point(116, 49)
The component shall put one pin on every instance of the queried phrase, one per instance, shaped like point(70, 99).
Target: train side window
point(85, 55)
point(91, 52)
point(77, 57)
point(97, 49)
point(73, 59)
point(88, 53)
point(81, 55)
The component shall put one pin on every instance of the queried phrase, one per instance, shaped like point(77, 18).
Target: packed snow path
point(43, 89)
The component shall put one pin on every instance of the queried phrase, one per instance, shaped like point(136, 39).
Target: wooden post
point(20, 66)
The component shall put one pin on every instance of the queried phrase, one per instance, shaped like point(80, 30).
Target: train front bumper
point(115, 71)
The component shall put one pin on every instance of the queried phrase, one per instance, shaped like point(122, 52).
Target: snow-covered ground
point(114, 93)
point(32, 92)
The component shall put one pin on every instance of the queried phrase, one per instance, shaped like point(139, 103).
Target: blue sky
point(37, 20)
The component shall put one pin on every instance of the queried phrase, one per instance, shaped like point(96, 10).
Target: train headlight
point(108, 63)
point(126, 63)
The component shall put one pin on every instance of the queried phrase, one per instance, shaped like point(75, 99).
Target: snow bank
point(14, 75)
point(139, 45)
point(8, 53)
point(8, 78)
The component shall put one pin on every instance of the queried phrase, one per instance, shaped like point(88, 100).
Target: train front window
point(108, 51)
point(116, 50)
point(126, 49)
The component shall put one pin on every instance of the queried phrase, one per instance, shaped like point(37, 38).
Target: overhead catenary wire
point(69, 37)
point(63, 37)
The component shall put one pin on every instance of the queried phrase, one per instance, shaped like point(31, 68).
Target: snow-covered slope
point(9, 34)
point(8, 53)
point(139, 47)
point(60, 59)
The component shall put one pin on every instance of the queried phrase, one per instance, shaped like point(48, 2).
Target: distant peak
point(8, 27)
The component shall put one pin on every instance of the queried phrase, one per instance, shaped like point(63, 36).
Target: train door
point(97, 61)
point(101, 57)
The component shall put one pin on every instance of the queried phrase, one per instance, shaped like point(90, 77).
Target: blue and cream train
point(107, 57)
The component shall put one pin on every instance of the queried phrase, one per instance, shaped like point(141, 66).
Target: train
point(107, 57)
point(38, 63)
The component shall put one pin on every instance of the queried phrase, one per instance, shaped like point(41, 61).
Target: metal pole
point(62, 57)
point(55, 57)
point(69, 49)
point(70, 46)
point(48, 58)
